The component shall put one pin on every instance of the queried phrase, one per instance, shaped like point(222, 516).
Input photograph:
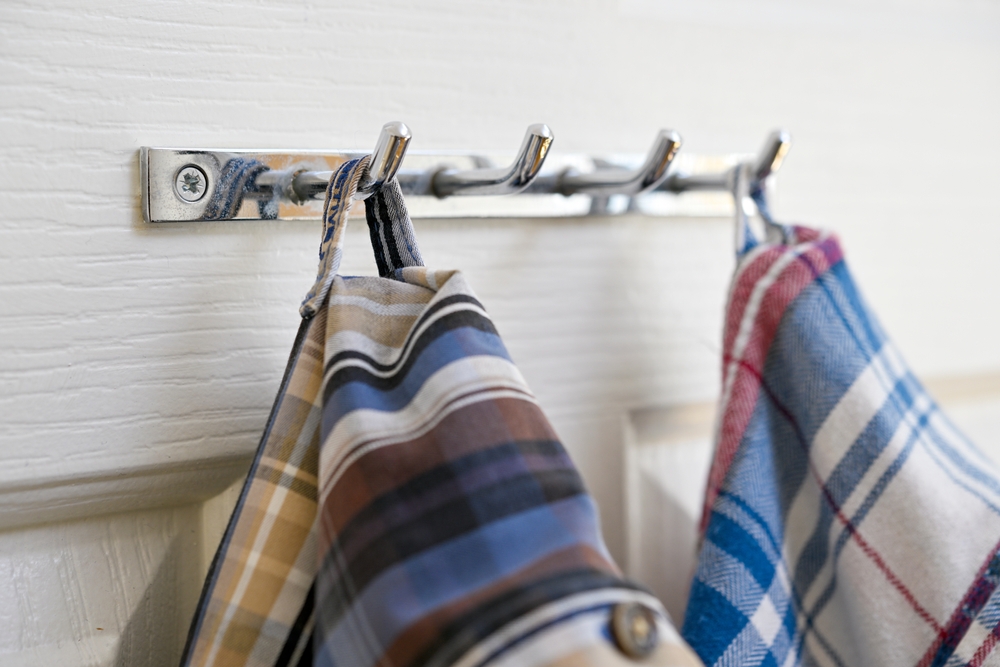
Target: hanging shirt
point(409, 503)
point(847, 522)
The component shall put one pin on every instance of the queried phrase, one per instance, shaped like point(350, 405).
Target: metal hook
point(505, 181)
point(613, 182)
point(300, 186)
point(767, 162)
point(771, 155)
point(388, 155)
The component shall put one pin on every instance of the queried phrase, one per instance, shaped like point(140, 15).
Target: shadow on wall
point(161, 618)
point(670, 540)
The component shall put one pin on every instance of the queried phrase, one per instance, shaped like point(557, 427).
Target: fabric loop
point(391, 230)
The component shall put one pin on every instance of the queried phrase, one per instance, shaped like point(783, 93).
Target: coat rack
point(192, 185)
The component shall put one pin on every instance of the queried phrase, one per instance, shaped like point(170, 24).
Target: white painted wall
point(137, 364)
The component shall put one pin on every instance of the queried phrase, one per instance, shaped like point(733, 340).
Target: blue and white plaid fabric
point(847, 521)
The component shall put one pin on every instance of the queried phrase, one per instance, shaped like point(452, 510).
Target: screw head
point(191, 183)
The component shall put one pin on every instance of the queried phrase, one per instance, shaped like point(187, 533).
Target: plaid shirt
point(847, 522)
point(409, 503)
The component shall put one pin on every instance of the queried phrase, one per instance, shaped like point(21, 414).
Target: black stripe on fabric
point(219, 557)
point(306, 659)
point(461, 515)
point(449, 322)
point(460, 636)
point(389, 232)
point(354, 354)
point(380, 509)
point(295, 634)
point(375, 235)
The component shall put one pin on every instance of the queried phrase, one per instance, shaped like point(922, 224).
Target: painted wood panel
point(138, 364)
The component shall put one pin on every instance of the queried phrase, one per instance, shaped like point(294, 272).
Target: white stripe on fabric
point(477, 397)
point(841, 428)
point(469, 375)
point(410, 342)
point(567, 636)
point(730, 578)
point(945, 431)
point(348, 339)
point(249, 569)
point(749, 319)
point(766, 620)
point(946, 428)
point(974, 637)
point(381, 309)
point(853, 412)
point(904, 432)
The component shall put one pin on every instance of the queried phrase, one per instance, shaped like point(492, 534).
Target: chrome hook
point(771, 155)
point(767, 162)
point(386, 158)
point(612, 182)
point(504, 181)
point(300, 186)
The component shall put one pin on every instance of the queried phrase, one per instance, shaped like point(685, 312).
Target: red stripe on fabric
point(866, 548)
point(806, 234)
point(876, 558)
point(960, 617)
point(986, 648)
point(736, 413)
point(740, 293)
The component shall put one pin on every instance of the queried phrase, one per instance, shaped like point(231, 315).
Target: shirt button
point(634, 628)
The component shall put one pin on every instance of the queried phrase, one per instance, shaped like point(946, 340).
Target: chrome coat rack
point(190, 185)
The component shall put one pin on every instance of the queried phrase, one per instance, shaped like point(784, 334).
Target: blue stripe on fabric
point(859, 516)
point(938, 440)
point(794, 608)
point(732, 538)
point(456, 569)
point(756, 464)
point(818, 348)
point(716, 622)
point(869, 334)
point(772, 540)
point(445, 349)
point(844, 479)
point(969, 469)
point(824, 342)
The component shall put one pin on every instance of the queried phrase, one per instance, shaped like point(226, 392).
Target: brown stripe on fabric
point(466, 430)
point(288, 468)
point(291, 478)
point(240, 637)
point(457, 496)
point(417, 638)
point(393, 530)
